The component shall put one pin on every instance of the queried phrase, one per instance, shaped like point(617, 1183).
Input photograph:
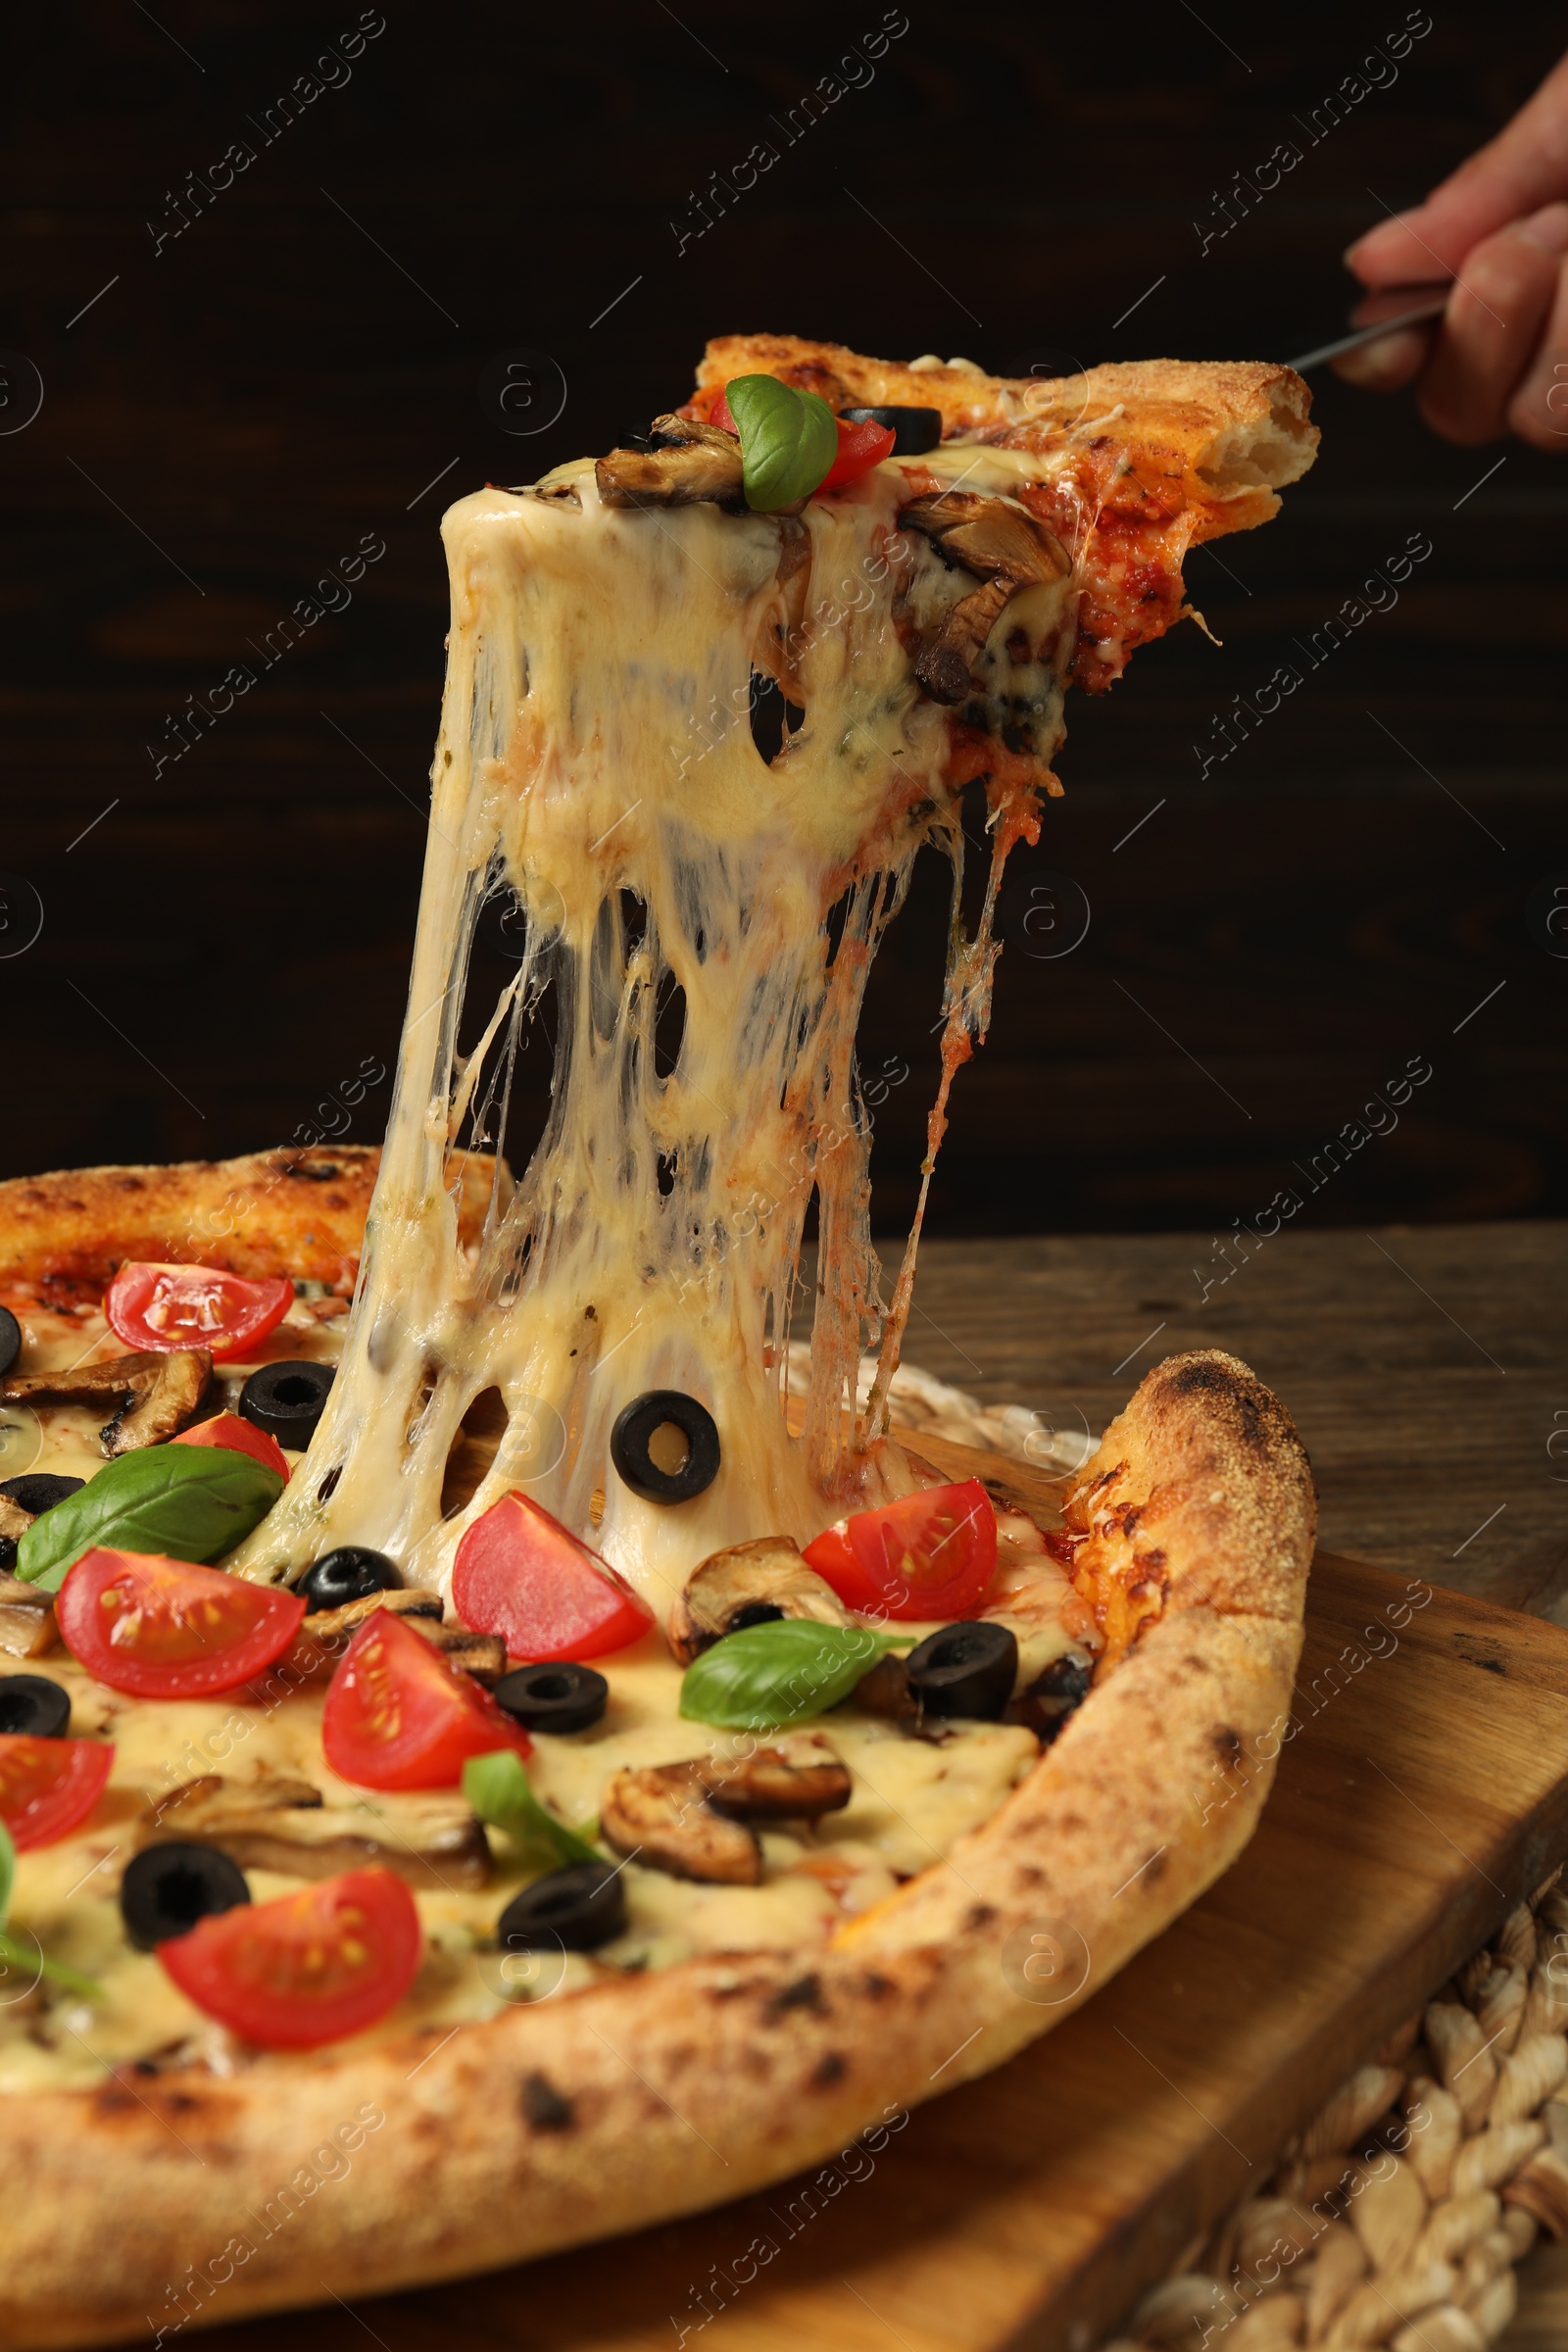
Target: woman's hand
point(1498, 360)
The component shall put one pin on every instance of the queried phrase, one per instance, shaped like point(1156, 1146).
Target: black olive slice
point(577, 1908)
point(631, 1440)
point(966, 1669)
point(168, 1889)
point(916, 430)
point(10, 1339)
point(351, 1573)
point(286, 1399)
point(1053, 1696)
point(32, 1703)
point(39, 1490)
point(553, 1696)
point(8, 1555)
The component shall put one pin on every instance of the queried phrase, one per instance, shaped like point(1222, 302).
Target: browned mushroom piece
point(158, 1392)
point(403, 1600)
point(695, 464)
point(989, 535)
point(164, 1406)
point(885, 1691)
point(748, 1584)
point(484, 1655)
point(432, 1840)
point(28, 1626)
point(797, 1778)
point(1008, 547)
point(944, 662)
point(662, 1815)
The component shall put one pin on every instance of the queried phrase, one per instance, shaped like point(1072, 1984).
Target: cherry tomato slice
point(520, 1574)
point(193, 1306)
point(165, 1629)
point(306, 1968)
point(930, 1555)
point(48, 1786)
point(721, 417)
point(238, 1435)
point(861, 447)
point(397, 1716)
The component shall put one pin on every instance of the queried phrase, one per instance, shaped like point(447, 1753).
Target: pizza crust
point(267, 1213)
point(569, 2120)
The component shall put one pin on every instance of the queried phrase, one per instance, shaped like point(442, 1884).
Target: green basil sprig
point(789, 440)
point(192, 1502)
point(14, 1953)
point(770, 1675)
point(497, 1789)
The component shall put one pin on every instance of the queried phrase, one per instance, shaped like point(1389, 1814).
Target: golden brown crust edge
point(284, 1211)
point(560, 2123)
point(1240, 428)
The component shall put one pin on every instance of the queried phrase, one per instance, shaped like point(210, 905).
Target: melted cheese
point(595, 759)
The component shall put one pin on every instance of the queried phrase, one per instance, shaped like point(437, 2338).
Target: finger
point(1491, 325)
point(1524, 166)
point(1539, 409)
point(1392, 360)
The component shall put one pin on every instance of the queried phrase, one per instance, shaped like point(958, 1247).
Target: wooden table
point(1426, 1366)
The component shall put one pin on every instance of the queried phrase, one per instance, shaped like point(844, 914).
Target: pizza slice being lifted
point(768, 1865)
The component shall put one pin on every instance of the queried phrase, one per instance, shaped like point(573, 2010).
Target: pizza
point(490, 1758)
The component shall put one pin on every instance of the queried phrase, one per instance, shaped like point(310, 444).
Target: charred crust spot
point(1227, 1746)
point(829, 2068)
point(806, 1992)
point(544, 2106)
point(875, 1987)
point(1248, 1401)
point(979, 1915)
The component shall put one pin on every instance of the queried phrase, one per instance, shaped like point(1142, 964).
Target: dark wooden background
point(225, 414)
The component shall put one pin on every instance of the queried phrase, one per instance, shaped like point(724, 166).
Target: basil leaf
point(14, 1953)
point(497, 1787)
point(192, 1502)
point(768, 1675)
point(789, 440)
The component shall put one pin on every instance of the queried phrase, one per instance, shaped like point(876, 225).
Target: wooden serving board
point(1425, 1793)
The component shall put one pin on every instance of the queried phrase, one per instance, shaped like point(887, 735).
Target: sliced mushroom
point(1008, 547)
point(689, 465)
point(798, 1778)
point(885, 1691)
point(662, 1815)
point(28, 1626)
point(749, 1583)
point(13, 1520)
point(432, 1840)
point(164, 1406)
point(944, 663)
point(403, 1600)
point(158, 1392)
point(484, 1655)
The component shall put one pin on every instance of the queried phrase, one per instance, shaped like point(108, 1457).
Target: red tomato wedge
point(930, 1555)
point(520, 1574)
point(861, 447)
point(165, 1629)
point(193, 1306)
point(48, 1786)
point(397, 1716)
point(239, 1436)
point(308, 1968)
